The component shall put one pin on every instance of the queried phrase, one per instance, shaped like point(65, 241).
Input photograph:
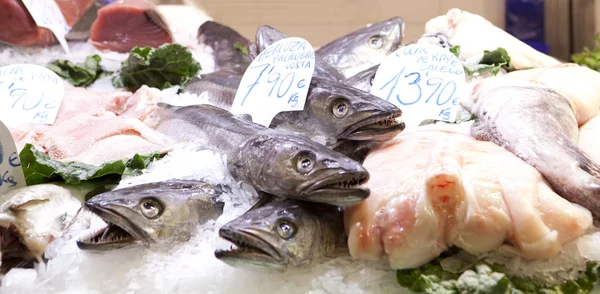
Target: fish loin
point(434, 189)
point(18, 27)
point(538, 125)
point(125, 24)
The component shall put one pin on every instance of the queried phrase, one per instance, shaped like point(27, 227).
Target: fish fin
point(355, 150)
point(27, 205)
point(264, 198)
point(252, 51)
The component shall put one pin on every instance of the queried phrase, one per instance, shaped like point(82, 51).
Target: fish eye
point(150, 208)
point(340, 108)
point(305, 162)
point(286, 229)
point(375, 42)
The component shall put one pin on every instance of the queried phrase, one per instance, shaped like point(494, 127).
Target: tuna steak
point(125, 24)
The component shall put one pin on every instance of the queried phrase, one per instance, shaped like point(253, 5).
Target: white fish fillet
point(40, 213)
point(589, 139)
point(433, 189)
point(579, 84)
point(474, 34)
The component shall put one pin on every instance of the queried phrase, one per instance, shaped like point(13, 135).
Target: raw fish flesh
point(432, 189)
point(538, 125)
point(589, 138)
point(474, 34)
point(125, 24)
point(579, 84)
point(18, 27)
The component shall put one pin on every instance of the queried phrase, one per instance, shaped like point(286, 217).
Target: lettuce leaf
point(492, 62)
point(589, 58)
point(79, 75)
point(39, 168)
point(241, 48)
point(162, 67)
point(485, 278)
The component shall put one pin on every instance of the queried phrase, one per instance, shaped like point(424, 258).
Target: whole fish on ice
point(538, 125)
point(151, 213)
point(284, 233)
point(432, 189)
point(226, 45)
point(272, 161)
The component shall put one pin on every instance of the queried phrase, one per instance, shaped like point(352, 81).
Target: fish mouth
point(343, 189)
point(382, 127)
point(247, 249)
point(118, 233)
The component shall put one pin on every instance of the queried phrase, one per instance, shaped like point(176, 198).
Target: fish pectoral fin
point(28, 204)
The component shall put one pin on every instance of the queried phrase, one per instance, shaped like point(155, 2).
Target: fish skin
point(222, 40)
point(363, 48)
point(272, 161)
point(364, 79)
point(316, 231)
point(538, 125)
point(182, 205)
point(318, 117)
point(267, 35)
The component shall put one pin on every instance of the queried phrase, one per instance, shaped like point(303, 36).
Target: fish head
point(282, 234)
point(151, 213)
point(293, 166)
point(266, 36)
point(363, 80)
point(346, 113)
point(365, 47)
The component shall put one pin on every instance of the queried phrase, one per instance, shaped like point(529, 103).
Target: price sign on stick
point(29, 94)
point(277, 80)
point(47, 14)
point(424, 81)
point(11, 173)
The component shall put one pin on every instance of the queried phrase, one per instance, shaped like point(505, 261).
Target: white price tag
point(47, 14)
point(424, 81)
point(277, 80)
point(29, 94)
point(11, 172)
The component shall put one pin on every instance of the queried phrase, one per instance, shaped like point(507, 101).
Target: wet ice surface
point(188, 267)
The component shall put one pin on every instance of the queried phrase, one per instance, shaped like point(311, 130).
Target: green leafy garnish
point(79, 75)
point(39, 168)
point(484, 278)
point(241, 48)
point(455, 50)
point(492, 61)
point(588, 57)
point(162, 67)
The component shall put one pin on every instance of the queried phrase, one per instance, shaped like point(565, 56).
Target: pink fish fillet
point(17, 27)
point(124, 24)
point(432, 189)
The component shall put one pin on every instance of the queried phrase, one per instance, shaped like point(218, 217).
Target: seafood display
point(146, 181)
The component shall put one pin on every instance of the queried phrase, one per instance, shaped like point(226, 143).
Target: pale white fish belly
point(589, 139)
point(474, 34)
point(579, 84)
point(45, 211)
point(434, 189)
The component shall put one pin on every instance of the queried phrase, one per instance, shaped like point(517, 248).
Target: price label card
point(277, 80)
point(47, 14)
point(29, 94)
point(424, 81)
point(11, 172)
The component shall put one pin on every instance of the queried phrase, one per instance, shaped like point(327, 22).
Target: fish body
point(364, 79)
point(227, 45)
point(284, 234)
point(272, 161)
point(538, 125)
point(160, 212)
point(332, 110)
point(436, 188)
point(589, 138)
point(363, 48)
point(266, 36)
point(125, 24)
point(36, 215)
